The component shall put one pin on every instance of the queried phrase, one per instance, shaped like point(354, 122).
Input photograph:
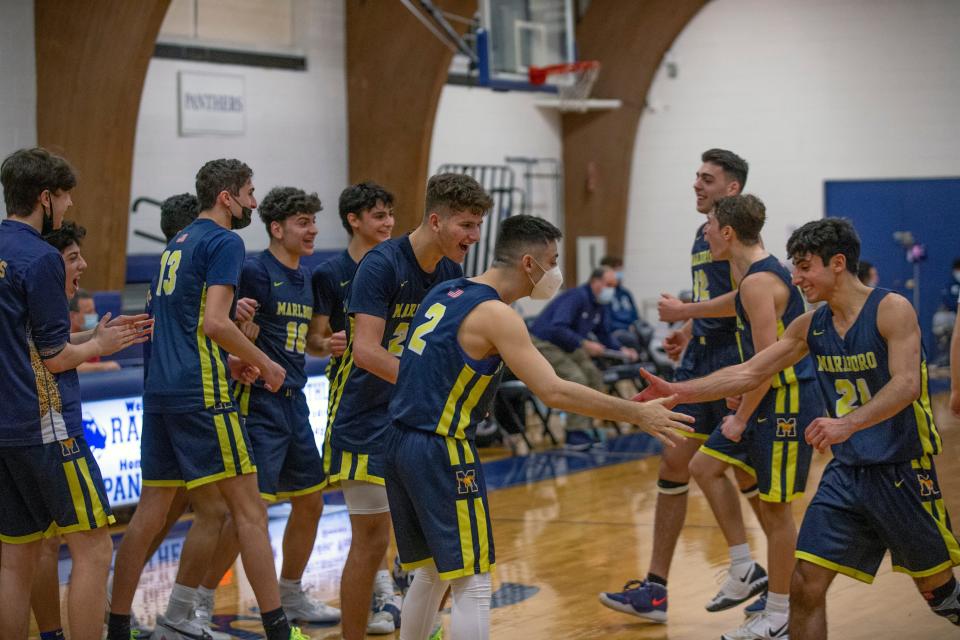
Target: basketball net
point(574, 82)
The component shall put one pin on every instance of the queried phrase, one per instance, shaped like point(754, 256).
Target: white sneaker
point(186, 630)
point(742, 583)
point(203, 617)
point(300, 607)
point(763, 626)
point(384, 614)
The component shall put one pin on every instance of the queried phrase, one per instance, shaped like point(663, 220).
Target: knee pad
point(750, 491)
point(671, 488)
point(364, 498)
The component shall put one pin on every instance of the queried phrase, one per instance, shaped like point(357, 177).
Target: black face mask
point(243, 221)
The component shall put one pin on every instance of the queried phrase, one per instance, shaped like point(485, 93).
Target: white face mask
point(90, 321)
point(956, 276)
point(548, 284)
point(606, 295)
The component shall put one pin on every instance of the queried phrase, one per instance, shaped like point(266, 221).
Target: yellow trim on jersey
point(728, 459)
point(482, 535)
point(242, 393)
point(926, 429)
point(340, 380)
point(246, 466)
point(692, 435)
point(76, 495)
point(949, 540)
point(467, 451)
point(286, 495)
point(777, 473)
point(856, 574)
point(452, 451)
point(222, 383)
point(468, 405)
point(226, 451)
point(466, 534)
point(410, 566)
point(460, 573)
point(926, 572)
point(31, 537)
point(206, 371)
point(164, 483)
point(100, 516)
point(449, 409)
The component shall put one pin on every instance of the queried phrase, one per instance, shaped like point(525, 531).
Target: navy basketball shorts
point(438, 503)
point(193, 449)
point(288, 461)
point(340, 464)
point(859, 512)
point(50, 489)
point(703, 356)
point(773, 449)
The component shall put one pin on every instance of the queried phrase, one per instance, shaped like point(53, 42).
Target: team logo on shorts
point(69, 447)
point(786, 427)
point(467, 482)
point(927, 488)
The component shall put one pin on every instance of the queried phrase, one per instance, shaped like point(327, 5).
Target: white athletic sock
point(181, 603)
point(291, 587)
point(740, 554)
point(383, 583)
point(778, 603)
point(470, 619)
point(421, 603)
point(204, 593)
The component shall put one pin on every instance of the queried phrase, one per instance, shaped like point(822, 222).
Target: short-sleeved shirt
point(851, 370)
point(188, 371)
point(389, 284)
point(331, 281)
point(39, 407)
point(286, 306)
point(711, 279)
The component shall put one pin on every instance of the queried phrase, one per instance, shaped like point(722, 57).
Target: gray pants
point(575, 366)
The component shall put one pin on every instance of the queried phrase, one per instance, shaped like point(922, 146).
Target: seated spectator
point(867, 274)
point(622, 313)
point(84, 317)
point(562, 334)
point(950, 292)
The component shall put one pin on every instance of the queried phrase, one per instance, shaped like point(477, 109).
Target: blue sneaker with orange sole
point(640, 598)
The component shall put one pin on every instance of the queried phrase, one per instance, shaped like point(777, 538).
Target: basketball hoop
point(574, 81)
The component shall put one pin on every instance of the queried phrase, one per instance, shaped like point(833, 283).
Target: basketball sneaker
point(384, 614)
point(742, 583)
point(186, 630)
point(757, 606)
point(639, 598)
point(203, 617)
point(763, 626)
point(300, 607)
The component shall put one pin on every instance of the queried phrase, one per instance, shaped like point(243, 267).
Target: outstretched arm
point(506, 332)
point(731, 381)
point(673, 309)
point(897, 323)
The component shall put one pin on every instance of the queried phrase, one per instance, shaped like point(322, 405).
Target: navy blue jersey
point(331, 281)
point(286, 306)
point(803, 370)
point(39, 407)
point(711, 279)
point(853, 369)
point(389, 284)
point(188, 370)
point(440, 388)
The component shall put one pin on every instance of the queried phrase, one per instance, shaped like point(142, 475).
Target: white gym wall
point(805, 91)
